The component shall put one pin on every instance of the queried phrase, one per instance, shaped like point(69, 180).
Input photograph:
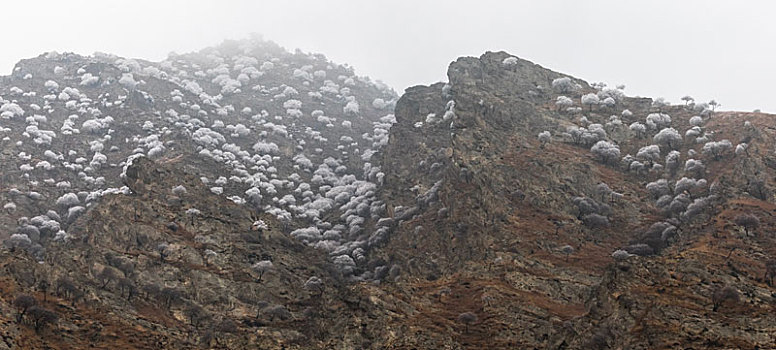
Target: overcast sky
point(707, 49)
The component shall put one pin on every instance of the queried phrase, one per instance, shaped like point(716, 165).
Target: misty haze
point(412, 175)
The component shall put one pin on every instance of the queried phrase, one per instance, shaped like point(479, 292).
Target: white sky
point(724, 50)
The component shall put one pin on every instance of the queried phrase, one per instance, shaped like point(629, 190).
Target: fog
point(706, 49)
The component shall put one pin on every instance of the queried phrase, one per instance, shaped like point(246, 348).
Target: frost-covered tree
point(128, 81)
point(261, 268)
point(603, 190)
point(586, 205)
point(613, 124)
point(609, 102)
point(697, 207)
point(638, 129)
point(695, 131)
point(18, 241)
point(544, 138)
point(509, 61)
point(677, 205)
point(742, 149)
point(693, 166)
point(717, 149)
point(657, 121)
point(669, 138)
point(696, 120)
point(659, 103)
point(590, 100)
point(564, 102)
point(593, 134)
point(687, 100)
point(659, 188)
point(351, 108)
point(179, 190)
point(649, 154)
point(564, 85)
point(89, 80)
point(266, 148)
point(379, 103)
point(314, 284)
point(673, 162)
point(639, 249)
point(606, 152)
point(68, 200)
point(637, 167)
point(714, 105)
point(10, 207)
point(192, 213)
point(621, 255)
point(684, 184)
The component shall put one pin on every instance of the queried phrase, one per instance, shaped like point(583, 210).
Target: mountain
point(248, 197)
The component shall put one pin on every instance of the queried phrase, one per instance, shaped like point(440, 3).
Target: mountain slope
point(485, 214)
point(496, 210)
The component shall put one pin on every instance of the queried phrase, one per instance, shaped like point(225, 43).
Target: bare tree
point(567, 250)
point(595, 221)
point(106, 276)
point(196, 314)
point(748, 221)
point(277, 311)
point(225, 326)
point(770, 272)
point(23, 303)
point(724, 294)
point(600, 339)
point(170, 296)
point(163, 249)
point(126, 285)
point(43, 286)
point(757, 188)
point(467, 318)
point(444, 291)
point(687, 100)
point(41, 317)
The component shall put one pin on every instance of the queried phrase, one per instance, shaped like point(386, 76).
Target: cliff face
point(454, 226)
